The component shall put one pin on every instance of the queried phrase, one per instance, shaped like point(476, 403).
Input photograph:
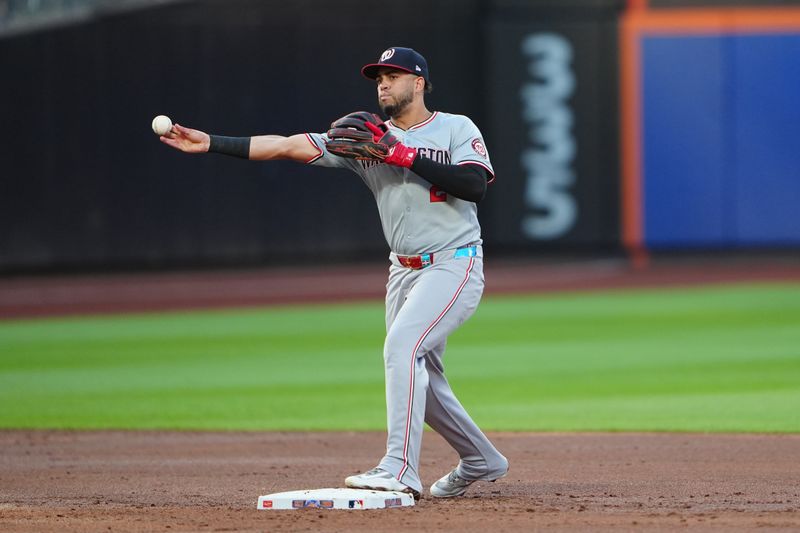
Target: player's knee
point(397, 349)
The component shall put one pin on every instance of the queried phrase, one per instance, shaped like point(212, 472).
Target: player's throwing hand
point(187, 139)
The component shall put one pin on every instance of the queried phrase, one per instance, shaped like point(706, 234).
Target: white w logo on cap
point(387, 54)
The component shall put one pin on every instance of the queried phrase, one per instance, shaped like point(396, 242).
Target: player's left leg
point(479, 459)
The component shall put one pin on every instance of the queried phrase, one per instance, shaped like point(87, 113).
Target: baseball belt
point(418, 262)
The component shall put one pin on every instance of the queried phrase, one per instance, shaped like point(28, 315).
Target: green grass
point(701, 359)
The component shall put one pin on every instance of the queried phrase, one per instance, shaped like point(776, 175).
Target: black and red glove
point(399, 154)
point(362, 135)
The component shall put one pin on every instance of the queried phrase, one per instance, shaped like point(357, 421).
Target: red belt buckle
point(415, 262)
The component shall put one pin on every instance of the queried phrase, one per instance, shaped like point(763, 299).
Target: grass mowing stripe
point(677, 359)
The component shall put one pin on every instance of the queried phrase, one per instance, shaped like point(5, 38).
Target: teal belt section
point(468, 251)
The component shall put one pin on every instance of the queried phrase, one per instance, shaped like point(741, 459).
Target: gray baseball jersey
point(417, 217)
point(425, 304)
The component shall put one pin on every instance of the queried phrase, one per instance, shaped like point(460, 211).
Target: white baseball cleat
point(379, 479)
point(453, 485)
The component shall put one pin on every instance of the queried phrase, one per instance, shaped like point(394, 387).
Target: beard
point(401, 102)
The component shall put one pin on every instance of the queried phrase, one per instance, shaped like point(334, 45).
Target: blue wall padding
point(767, 156)
point(721, 151)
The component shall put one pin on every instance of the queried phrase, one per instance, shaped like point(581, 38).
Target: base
point(347, 499)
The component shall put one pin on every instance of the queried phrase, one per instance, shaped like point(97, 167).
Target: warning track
point(22, 297)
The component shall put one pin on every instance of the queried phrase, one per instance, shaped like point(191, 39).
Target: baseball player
point(427, 171)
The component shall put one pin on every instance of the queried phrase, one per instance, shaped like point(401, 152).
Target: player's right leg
point(390, 471)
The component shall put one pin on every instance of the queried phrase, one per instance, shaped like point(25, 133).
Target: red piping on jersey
point(321, 152)
point(415, 126)
point(414, 360)
point(489, 170)
point(424, 122)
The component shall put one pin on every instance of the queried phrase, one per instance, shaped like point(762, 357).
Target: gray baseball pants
point(423, 307)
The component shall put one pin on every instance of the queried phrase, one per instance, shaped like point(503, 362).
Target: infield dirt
point(184, 481)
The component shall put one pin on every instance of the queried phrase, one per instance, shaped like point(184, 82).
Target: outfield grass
point(699, 359)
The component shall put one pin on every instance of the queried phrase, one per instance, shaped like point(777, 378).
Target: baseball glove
point(360, 135)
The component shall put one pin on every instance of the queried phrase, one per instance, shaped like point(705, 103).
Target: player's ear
point(419, 84)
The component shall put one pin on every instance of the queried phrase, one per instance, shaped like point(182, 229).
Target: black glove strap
point(235, 146)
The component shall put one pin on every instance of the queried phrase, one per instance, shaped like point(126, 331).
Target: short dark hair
point(428, 87)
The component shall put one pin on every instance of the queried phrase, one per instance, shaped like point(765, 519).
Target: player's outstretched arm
point(294, 148)
point(259, 148)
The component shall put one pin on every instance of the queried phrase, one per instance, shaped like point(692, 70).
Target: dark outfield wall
point(84, 183)
point(554, 120)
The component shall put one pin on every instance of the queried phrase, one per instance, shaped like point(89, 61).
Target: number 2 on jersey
point(437, 194)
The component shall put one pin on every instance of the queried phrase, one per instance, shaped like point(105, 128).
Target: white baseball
point(162, 124)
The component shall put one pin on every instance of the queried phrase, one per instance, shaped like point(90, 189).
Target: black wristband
point(235, 146)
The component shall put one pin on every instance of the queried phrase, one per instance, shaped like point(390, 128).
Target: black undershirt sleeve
point(235, 146)
point(467, 182)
